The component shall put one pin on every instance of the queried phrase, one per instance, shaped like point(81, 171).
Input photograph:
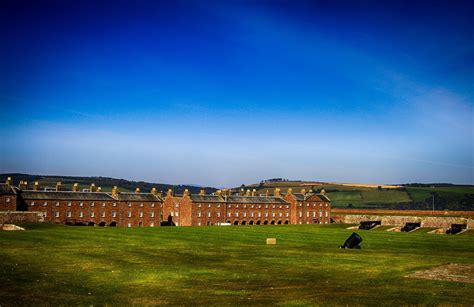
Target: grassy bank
point(226, 265)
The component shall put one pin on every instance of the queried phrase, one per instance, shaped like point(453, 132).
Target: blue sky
point(228, 92)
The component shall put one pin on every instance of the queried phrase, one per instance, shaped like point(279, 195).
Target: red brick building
point(150, 209)
point(8, 197)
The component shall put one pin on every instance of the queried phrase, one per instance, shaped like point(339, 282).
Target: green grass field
point(53, 264)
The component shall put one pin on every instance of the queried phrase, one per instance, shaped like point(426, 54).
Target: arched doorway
point(101, 224)
point(243, 222)
point(258, 222)
point(229, 222)
point(265, 223)
point(279, 223)
point(273, 223)
point(286, 222)
point(113, 224)
point(90, 224)
point(80, 224)
point(251, 223)
point(236, 223)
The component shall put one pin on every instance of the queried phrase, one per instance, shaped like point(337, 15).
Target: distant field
point(64, 265)
point(370, 196)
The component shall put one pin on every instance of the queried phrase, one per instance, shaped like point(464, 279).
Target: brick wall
point(8, 202)
point(16, 217)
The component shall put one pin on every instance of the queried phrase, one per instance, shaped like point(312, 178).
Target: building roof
point(130, 196)
point(312, 196)
point(206, 198)
point(66, 195)
point(6, 189)
point(256, 199)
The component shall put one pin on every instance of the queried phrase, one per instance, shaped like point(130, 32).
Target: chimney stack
point(254, 192)
point(247, 193)
point(186, 192)
point(169, 193)
point(242, 192)
point(289, 191)
point(219, 193)
point(23, 185)
point(75, 187)
point(322, 192)
point(36, 186)
point(277, 192)
point(9, 181)
point(202, 192)
point(58, 186)
point(115, 191)
point(99, 189)
point(137, 190)
point(154, 191)
point(303, 191)
point(92, 188)
point(267, 193)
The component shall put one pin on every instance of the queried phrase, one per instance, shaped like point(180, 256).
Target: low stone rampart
point(393, 220)
point(15, 217)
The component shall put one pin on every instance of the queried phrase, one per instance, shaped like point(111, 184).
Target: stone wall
point(14, 217)
point(393, 220)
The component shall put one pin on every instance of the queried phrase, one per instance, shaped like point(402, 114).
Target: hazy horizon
point(221, 93)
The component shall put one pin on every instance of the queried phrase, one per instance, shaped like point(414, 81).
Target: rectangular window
point(92, 214)
point(92, 204)
point(69, 204)
point(326, 214)
point(114, 205)
point(45, 203)
point(81, 204)
point(314, 214)
point(81, 214)
point(320, 214)
point(33, 203)
point(287, 214)
point(176, 213)
point(237, 214)
point(245, 214)
point(141, 204)
point(103, 204)
point(129, 224)
point(259, 214)
point(301, 214)
point(209, 206)
point(56, 213)
point(218, 214)
point(152, 224)
point(228, 214)
point(199, 214)
point(103, 214)
point(152, 214)
point(69, 214)
point(57, 204)
point(209, 214)
point(141, 214)
point(251, 214)
point(114, 214)
point(8, 199)
point(280, 214)
point(266, 214)
point(129, 204)
point(307, 214)
point(129, 214)
point(153, 205)
point(273, 214)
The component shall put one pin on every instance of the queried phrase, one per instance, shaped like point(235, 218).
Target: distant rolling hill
point(371, 196)
point(105, 183)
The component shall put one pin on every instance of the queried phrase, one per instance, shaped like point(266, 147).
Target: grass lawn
point(54, 264)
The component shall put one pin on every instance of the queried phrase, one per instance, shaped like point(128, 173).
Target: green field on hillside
point(65, 265)
point(451, 197)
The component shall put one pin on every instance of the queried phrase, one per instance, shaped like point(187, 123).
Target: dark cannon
point(367, 225)
point(353, 241)
point(456, 228)
point(410, 226)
